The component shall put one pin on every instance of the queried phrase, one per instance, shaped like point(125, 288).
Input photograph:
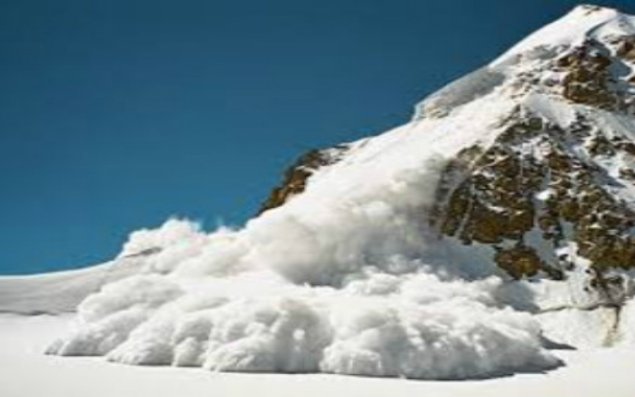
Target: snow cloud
point(334, 281)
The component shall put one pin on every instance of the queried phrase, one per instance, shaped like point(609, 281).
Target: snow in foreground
point(26, 372)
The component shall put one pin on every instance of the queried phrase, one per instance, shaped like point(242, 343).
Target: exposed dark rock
point(587, 76)
point(626, 48)
point(495, 202)
point(520, 261)
point(296, 176)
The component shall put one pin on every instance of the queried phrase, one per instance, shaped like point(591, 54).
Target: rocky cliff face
point(552, 194)
point(540, 197)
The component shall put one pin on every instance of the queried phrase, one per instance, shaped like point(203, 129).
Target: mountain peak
point(586, 57)
point(581, 23)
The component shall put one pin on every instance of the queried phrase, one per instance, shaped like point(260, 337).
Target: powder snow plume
point(349, 276)
point(332, 282)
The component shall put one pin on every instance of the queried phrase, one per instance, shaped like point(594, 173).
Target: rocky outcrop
point(539, 197)
point(296, 176)
point(599, 74)
point(587, 76)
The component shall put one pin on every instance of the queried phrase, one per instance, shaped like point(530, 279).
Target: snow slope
point(582, 23)
point(59, 292)
point(348, 277)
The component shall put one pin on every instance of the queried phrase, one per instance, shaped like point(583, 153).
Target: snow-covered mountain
point(495, 225)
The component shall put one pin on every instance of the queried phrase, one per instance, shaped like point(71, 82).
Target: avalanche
point(332, 282)
point(346, 277)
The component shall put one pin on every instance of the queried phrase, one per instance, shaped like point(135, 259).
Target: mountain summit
point(496, 224)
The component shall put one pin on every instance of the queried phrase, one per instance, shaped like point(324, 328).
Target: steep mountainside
point(553, 194)
point(496, 224)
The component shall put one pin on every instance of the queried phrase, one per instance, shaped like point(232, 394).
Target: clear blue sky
point(115, 115)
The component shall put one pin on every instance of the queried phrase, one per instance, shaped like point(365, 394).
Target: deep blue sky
point(115, 115)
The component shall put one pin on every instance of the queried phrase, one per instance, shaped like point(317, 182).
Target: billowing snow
point(26, 372)
point(335, 281)
point(345, 278)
